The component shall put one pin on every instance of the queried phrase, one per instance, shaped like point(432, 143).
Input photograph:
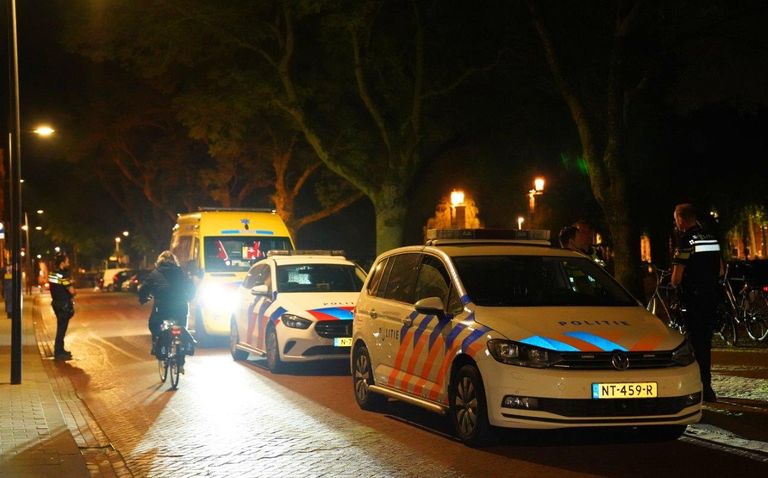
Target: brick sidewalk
point(35, 440)
point(45, 428)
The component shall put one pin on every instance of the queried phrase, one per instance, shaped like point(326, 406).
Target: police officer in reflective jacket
point(62, 295)
point(696, 267)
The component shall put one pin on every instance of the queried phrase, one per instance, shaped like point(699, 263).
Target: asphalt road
point(237, 419)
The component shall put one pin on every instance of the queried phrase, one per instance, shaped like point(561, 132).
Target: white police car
point(514, 333)
point(296, 306)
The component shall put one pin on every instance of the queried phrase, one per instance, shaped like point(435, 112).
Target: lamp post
point(458, 205)
point(520, 220)
point(14, 163)
point(538, 190)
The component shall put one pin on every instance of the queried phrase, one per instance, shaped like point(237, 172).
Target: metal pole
point(15, 199)
point(27, 256)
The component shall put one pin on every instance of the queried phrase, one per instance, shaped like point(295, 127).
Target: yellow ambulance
point(217, 246)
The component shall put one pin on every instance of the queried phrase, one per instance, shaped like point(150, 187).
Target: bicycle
point(664, 302)
point(174, 343)
point(747, 309)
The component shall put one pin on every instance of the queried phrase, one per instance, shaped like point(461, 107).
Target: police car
point(495, 328)
point(296, 306)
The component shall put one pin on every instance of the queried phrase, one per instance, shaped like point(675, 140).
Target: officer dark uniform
point(696, 267)
point(62, 294)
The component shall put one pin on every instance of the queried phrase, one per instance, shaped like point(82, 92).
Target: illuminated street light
point(520, 220)
point(44, 130)
point(457, 203)
point(538, 190)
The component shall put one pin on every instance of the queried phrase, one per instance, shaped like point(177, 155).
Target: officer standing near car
point(62, 295)
point(696, 268)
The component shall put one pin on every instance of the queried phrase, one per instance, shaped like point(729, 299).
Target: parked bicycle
point(747, 308)
point(174, 344)
point(664, 302)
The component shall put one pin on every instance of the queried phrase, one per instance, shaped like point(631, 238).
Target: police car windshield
point(319, 278)
point(237, 254)
point(504, 281)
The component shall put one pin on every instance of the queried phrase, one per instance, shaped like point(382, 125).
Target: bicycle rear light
point(175, 330)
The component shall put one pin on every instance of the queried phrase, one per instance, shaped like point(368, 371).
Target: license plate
point(342, 341)
point(624, 390)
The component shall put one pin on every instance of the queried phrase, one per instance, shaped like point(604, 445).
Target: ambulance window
point(180, 248)
point(401, 283)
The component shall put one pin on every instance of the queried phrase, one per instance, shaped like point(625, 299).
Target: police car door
point(257, 313)
point(426, 369)
point(392, 313)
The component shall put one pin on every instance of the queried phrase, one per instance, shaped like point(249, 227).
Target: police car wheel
point(362, 376)
point(274, 363)
point(234, 339)
point(468, 410)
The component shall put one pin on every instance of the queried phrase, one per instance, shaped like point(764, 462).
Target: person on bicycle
point(696, 268)
point(172, 289)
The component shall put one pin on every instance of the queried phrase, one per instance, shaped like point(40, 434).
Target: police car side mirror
point(431, 306)
point(260, 289)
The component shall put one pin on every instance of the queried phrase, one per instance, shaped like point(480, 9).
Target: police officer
point(696, 267)
point(62, 295)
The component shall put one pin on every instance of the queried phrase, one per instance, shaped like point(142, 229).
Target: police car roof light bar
point(507, 234)
point(305, 252)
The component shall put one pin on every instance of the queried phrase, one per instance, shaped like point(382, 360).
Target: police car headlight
point(523, 355)
point(683, 355)
point(295, 322)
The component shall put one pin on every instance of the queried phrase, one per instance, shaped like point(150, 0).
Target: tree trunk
point(390, 205)
point(626, 245)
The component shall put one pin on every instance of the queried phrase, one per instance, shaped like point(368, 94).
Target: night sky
point(714, 139)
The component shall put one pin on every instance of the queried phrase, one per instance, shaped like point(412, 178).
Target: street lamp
point(457, 203)
point(520, 220)
point(538, 190)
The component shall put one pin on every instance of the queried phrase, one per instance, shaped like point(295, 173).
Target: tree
point(357, 79)
point(634, 48)
point(252, 151)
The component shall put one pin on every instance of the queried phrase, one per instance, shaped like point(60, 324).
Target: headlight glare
point(295, 322)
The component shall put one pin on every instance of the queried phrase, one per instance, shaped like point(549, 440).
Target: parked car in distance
point(132, 284)
point(107, 281)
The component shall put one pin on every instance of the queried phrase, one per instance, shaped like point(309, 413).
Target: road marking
point(92, 335)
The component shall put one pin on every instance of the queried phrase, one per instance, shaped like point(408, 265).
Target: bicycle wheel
point(725, 325)
point(174, 369)
point(162, 367)
point(756, 321)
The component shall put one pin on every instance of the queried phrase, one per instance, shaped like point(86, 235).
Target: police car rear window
point(504, 281)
